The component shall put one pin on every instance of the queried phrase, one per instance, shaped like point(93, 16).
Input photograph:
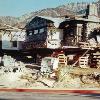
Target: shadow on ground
point(92, 96)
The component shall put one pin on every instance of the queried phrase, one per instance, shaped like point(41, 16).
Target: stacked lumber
point(83, 62)
point(96, 59)
point(62, 59)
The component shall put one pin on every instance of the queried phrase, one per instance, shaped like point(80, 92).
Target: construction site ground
point(84, 71)
point(19, 75)
point(68, 80)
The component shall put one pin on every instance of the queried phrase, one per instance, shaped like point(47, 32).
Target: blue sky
point(20, 7)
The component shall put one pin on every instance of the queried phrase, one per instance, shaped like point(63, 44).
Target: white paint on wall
point(49, 64)
point(9, 37)
point(54, 38)
point(53, 44)
point(18, 36)
point(98, 38)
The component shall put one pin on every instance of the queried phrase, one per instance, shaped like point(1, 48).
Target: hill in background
point(67, 9)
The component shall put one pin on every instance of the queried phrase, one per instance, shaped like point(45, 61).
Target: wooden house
point(76, 36)
point(44, 32)
point(53, 33)
point(81, 29)
point(12, 39)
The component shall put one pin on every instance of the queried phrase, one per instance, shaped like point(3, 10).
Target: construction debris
point(21, 75)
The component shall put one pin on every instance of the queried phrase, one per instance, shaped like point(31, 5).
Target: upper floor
point(53, 33)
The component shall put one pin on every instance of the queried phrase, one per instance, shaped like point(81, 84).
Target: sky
point(19, 7)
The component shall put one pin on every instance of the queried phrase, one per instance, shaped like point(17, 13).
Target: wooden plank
point(83, 62)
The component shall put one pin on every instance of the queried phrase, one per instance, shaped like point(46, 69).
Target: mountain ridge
point(67, 9)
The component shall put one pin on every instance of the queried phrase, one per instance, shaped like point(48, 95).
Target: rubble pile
point(68, 79)
point(15, 74)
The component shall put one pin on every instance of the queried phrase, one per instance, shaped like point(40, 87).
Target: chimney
point(91, 12)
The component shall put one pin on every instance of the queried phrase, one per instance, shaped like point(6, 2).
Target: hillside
point(67, 9)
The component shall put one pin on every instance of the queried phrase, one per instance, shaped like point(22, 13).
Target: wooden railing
point(86, 45)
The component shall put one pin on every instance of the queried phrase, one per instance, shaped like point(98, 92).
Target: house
point(55, 33)
point(12, 39)
point(71, 34)
point(79, 29)
point(44, 32)
point(74, 35)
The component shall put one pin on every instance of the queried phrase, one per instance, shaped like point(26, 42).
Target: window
point(35, 31)
point(29, 33)
point(14, 43)
point(41, 30)
point(52, 31)
point(79, 31)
